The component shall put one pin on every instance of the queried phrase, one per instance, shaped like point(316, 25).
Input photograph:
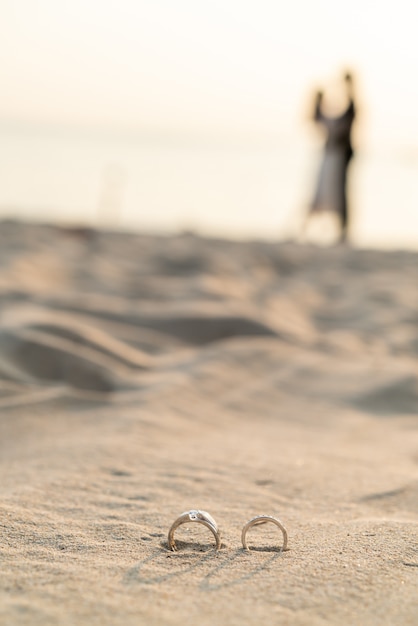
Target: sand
point(142, 376)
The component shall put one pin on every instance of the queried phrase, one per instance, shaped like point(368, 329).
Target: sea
point(221, 186)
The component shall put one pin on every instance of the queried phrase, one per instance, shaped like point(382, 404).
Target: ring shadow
point(206, 584)
point(197, 558)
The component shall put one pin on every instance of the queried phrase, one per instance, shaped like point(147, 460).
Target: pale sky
point(212, 65)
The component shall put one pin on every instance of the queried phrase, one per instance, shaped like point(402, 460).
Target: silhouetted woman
point(331, 193)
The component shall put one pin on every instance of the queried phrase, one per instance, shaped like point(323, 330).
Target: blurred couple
point(331, 188)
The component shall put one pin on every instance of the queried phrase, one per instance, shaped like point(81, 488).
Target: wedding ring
point(261, 519)
point(201, 517)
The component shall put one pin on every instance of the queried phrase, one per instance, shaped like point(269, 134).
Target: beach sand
point(142, 376)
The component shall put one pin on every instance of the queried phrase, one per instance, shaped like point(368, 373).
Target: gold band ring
point(260, 519)
point(201, 517)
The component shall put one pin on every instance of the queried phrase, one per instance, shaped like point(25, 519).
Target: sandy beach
point(142, 376)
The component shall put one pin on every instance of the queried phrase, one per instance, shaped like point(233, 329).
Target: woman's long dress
point(330, 194)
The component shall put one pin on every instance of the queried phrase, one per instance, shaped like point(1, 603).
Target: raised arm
point(317, 112)
point(349, 85)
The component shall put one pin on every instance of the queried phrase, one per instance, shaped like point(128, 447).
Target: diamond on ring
point(195, 515)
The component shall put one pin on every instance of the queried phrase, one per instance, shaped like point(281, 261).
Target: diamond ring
point(201, 517)
point(261, 519)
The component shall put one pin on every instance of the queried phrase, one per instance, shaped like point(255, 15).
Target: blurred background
point(192, 115)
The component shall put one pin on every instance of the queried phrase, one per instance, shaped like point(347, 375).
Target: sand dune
point(142, 376)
